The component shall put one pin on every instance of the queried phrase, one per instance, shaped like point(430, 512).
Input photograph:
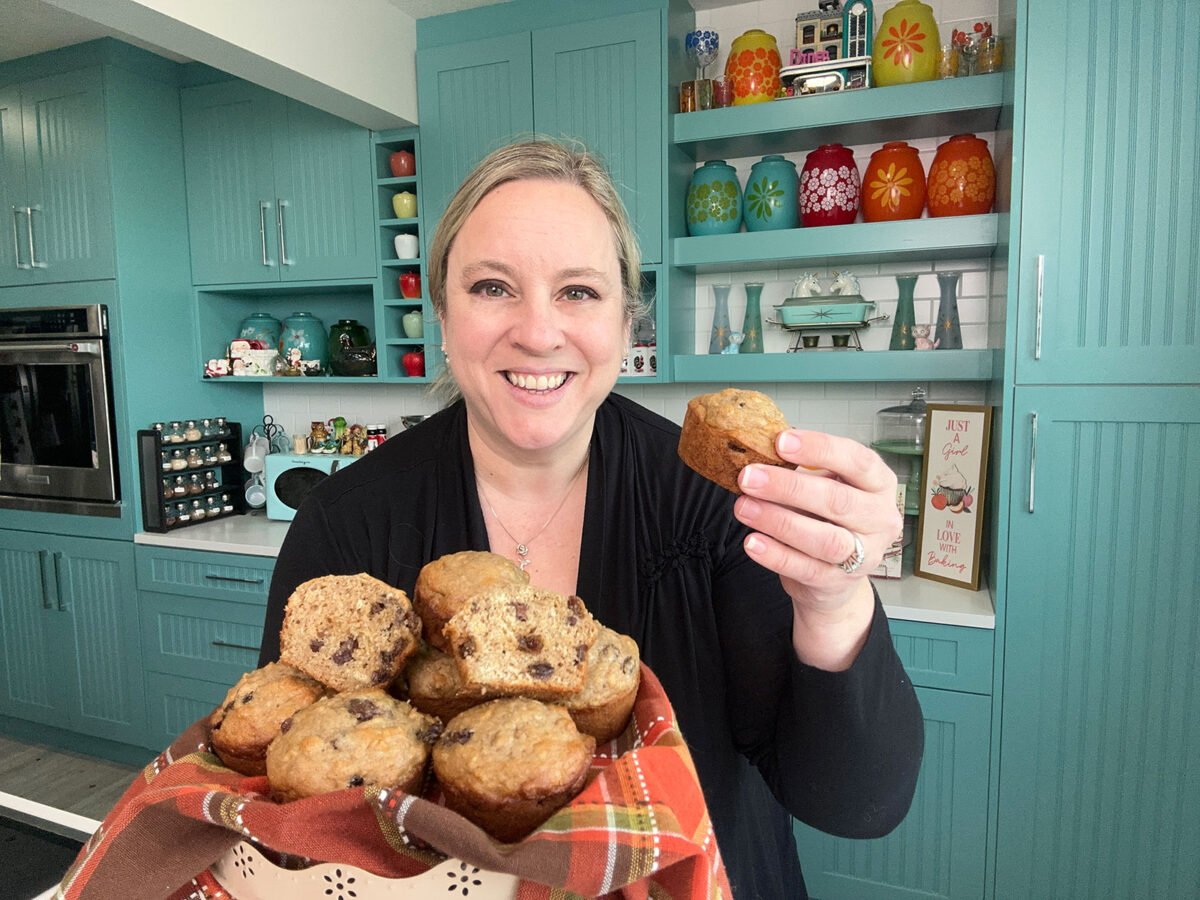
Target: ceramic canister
point(906, 45)
point(305, 332)
point(714, 200)
point(404, 204)
point(894, 184)
point(753, 66)
point(771, 198)
point(829, 187)
point(402, 164)
point(260, 327)
point(407, 246)
point(962, 179)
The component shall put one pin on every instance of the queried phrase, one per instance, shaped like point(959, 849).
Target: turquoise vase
point(719, 339)
point(714, 200)
point(948, 333)
point(752, 323)
point(260, 327)
point(305, 332)
point(906, 317)
point(771, 200)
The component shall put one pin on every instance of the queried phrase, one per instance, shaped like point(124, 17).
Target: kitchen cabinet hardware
point(1032, 457)
point(262, 231)
point(234, 579)
point(16, 210)
point(283, 254)
point(1037, 324)
point(46, 603)
point(220, 643)
point(56, 561)
point(33, 260)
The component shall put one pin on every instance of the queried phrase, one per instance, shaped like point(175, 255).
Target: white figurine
point(921, 338)
point(845, 284)
point(735, 341)
point(807, 285)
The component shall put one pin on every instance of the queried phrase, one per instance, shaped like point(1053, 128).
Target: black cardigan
point(661, 561)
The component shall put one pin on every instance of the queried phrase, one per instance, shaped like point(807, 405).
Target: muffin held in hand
point(724, 431)
point(614, 673)
point(522, 640)
point(447, 582)
point(250, 716)
point(508, 764)
point(435, 687)
point(349, 631)
point(354, 739)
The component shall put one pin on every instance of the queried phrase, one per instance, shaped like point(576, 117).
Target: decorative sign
point(950, 529)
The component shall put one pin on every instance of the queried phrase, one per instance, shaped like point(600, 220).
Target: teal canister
point(305, 332)
point(714, 200)
point(260, 327)
point(771, 199)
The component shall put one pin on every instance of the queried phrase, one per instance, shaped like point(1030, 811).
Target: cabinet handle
point(58, 582)
point(46, 604)
point(235, 646)
point(283, 254)
point(1037, 326)
point(262, 231)
point(16, 211)
point(231, 578)
point(1032, 457)
point(33, 260)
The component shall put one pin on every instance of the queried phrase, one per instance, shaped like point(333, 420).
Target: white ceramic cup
point(256, 492)
point(407, 246)
point(254, 459)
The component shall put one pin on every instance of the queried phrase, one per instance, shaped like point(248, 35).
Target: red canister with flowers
point(962, 179)
point(829, 187)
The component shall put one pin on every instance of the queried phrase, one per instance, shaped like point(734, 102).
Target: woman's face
point(534, 322)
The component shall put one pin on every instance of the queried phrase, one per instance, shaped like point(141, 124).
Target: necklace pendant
point(523, 553)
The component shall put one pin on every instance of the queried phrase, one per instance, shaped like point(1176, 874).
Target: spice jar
point(178, 460)
point(191, 431)
point(193, 460)
point(198, 511)
point(175, 433)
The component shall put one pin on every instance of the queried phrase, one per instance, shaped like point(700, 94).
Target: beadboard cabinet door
point(1110, 207)
point(32, 685)
point(12, 186)
point(1101, 711)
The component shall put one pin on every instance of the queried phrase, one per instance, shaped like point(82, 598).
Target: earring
point(445, 355)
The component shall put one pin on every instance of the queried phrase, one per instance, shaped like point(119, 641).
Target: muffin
point(510, 763)
point(614, 673)
point(522, 640)
point(434, 686)
point(724, 431)
point(250, 716)
point(348, 631)
point(444, 584)
point(360, 738)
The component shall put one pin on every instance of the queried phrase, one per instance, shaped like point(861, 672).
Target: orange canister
point(753, 67)
point(893, 184)
point(962, 178)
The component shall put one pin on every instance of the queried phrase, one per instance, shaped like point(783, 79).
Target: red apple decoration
point(410, 284)
point(413, 362)
point(402, 164)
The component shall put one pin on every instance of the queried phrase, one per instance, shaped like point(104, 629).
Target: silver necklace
point(522, 547)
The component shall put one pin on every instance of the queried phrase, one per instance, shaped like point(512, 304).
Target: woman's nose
point(538, 326)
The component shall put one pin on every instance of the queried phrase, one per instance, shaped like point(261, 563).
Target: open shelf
point(844, 365)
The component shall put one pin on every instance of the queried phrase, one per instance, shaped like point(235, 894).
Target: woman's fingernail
point(788, 442)
point(754, 545)
point(752, 477)
point(749, 509)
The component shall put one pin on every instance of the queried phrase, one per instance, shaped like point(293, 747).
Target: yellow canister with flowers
point(906, 45)
point(753, 67)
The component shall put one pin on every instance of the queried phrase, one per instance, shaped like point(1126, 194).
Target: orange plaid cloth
point(639, 829)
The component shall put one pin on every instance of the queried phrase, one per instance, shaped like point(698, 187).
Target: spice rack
point(173, 493)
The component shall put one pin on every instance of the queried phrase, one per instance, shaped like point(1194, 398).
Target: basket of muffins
point(485, 736)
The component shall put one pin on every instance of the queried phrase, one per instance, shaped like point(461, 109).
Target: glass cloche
point(901, 429)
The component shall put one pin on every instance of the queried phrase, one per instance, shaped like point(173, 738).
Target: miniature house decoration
point(833, 49)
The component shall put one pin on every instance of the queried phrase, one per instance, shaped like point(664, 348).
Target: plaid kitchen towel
point(639, 829)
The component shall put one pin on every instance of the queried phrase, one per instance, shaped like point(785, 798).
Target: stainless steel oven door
point(56, 433)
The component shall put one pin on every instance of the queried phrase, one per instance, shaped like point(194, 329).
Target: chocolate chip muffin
point(508, 764)
point(614, 673)
point(362, 738)
point(724, 431)
point(432, 684)
point(349, 631)
point(447, 582)
point(522, 640)
point(250, 716)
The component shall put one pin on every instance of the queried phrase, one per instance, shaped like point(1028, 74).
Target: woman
point(756, 615)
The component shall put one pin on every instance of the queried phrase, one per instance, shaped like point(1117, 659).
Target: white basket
point(248, 875)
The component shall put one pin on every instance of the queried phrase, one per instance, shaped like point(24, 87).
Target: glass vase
point(752, 323)
point(719, 339)
point(906, 317)
point(947, 332)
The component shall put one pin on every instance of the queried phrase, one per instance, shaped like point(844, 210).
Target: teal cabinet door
point(1101, 714)
point(1110, 222)
point(30, 633)
point(323, 196)
point(14, 250)
point(232, 216)
point(601, 83)
point(174, 703)
point(939, 850)
point(473, 97)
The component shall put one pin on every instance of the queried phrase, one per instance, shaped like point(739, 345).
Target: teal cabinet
point(68, 615)
point(1109, 223)
point(54, 181)
point(1101, 716)
point(600, 82)
point(276, 190)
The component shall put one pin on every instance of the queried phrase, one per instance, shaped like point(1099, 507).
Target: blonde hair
point(537, 158)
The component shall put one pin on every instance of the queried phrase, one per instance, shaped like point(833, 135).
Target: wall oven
point(57, 438)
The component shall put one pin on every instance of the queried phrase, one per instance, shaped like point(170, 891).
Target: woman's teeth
point(536, 382)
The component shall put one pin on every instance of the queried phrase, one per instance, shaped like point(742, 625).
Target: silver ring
point(854, 561)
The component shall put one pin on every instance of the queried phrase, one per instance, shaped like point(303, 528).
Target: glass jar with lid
point(901, 429)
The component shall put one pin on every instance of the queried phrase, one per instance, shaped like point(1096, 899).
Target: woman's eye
point(580, 293)
point(489, 289)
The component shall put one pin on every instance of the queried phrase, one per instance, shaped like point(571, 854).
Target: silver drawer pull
point(17, 210)
point(234, 646)
point(233, 579)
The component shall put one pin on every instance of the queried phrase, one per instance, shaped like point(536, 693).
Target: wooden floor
point(84, 785)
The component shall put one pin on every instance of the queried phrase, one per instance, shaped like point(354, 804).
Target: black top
point(661, 561)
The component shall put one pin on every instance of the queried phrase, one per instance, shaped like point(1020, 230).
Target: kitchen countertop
point(911, 599)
